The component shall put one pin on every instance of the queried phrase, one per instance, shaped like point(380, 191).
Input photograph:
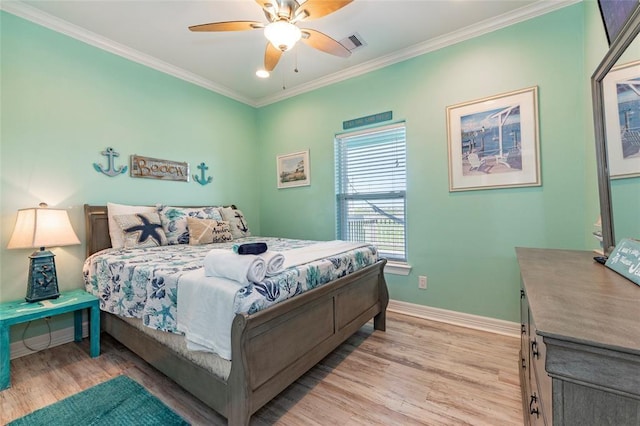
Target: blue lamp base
point(43, 281)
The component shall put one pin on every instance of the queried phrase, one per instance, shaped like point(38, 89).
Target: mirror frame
point(616, 49)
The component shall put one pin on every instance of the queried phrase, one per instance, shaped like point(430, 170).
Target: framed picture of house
point(293, 169)
point(493, 142)
point(621, 92)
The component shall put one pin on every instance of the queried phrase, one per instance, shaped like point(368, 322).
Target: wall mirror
point(619, 195)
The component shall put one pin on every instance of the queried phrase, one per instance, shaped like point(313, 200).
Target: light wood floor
point(417, 372)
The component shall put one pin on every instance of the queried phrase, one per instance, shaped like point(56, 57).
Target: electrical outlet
point(422, 282)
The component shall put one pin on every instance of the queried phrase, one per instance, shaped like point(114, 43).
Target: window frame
point(344, 197)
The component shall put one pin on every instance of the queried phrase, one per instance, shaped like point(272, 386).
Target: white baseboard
point(492, 325)
point(58, 337)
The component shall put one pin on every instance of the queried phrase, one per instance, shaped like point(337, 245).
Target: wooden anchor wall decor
point(152, 168)
point(111, 170)
point(201, 179)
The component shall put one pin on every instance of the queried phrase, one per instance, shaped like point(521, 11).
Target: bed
point(330, 314)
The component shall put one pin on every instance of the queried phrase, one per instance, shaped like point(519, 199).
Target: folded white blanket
point(318, 251)
point(205, 312)
point(274, 261)
point(243, 268)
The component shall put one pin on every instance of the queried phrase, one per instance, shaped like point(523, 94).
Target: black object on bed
point(250, 248)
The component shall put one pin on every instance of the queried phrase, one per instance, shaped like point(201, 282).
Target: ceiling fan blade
point(271, 57)
point(323, 42)
point(314, 9)
point(228, 26)
point(270, 8)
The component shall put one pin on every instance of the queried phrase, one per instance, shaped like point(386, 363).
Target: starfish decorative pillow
point(141, 230)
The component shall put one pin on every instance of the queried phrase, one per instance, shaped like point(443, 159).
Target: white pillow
point(115, 232)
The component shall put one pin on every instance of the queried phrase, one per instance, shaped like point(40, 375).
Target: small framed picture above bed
point(293, 169)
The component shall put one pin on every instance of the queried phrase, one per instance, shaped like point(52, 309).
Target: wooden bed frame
point(296, 334)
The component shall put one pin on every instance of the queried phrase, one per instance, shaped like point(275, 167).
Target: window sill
point(397, 268)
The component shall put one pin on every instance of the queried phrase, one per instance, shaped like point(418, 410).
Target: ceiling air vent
point(353, 42)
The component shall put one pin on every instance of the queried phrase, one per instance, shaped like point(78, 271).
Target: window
point(371, 183)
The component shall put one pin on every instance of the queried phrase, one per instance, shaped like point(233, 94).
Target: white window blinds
point(371, 182)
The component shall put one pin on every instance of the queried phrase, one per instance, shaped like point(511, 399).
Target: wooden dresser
point(580, 354)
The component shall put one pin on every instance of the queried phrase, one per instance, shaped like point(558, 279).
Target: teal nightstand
point(18, 312)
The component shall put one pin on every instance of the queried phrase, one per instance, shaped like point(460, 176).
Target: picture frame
point(293, 169)
point(621, 95)
point(493, 142)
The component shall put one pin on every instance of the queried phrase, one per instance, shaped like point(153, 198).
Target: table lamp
point(41, 227)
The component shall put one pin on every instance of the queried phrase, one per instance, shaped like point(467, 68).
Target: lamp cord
point(24, 332)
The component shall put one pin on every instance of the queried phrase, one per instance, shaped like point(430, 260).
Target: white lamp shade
point(282, 34)
point(42, 227)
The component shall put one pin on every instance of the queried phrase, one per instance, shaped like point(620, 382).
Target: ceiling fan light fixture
point(282, 34)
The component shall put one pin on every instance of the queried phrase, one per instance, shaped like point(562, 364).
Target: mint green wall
point(464, 242)
point(63, 102)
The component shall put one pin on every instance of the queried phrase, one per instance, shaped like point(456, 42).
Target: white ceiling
point(155, 33)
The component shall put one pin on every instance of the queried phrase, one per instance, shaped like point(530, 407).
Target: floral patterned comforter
point(143, 282)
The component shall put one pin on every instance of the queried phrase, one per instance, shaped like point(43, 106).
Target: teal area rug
point(119, 401)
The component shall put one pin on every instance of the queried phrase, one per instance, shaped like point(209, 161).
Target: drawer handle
point(532, 409)
point(534, 348)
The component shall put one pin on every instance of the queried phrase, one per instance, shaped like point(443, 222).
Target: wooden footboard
point(271, 348)
point(274, 347)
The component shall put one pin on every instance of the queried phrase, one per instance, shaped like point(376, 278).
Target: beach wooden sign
point(625, 259)
point(154, 168)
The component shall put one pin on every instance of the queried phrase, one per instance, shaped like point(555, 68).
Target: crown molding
point(484, 27)
point(527, 12)
point(36, 16)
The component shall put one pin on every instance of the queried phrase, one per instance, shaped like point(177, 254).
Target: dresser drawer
point(534, 407)
point(538, 355)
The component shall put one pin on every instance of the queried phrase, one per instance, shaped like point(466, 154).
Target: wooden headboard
point(97, 228)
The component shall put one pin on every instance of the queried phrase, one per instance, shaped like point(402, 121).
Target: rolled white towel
point(274, 260)
point(241, 268)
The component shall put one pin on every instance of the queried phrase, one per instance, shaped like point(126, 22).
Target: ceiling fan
point(282, 31)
